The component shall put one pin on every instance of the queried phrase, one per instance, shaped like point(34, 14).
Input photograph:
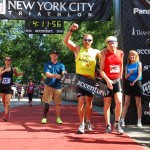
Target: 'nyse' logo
point(2, 6)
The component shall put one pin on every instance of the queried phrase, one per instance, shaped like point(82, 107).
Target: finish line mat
point(25, 132)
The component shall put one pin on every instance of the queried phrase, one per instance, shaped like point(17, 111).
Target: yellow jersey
point(86, 62)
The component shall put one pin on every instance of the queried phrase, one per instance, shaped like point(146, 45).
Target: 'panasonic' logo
point(141, 11)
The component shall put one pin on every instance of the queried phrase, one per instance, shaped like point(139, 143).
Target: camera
point(148, 42)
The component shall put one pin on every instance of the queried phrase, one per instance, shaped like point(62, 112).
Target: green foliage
point(29, 52)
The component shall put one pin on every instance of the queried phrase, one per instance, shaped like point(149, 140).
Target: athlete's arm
point(102, 73)
point(17, 73)
point(69, 43)
point(121, 69)
point(2, 70)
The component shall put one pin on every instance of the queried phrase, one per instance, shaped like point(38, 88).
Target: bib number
point(114, 68)
point(6, 81)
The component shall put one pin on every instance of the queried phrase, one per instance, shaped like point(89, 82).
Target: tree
point(30, 51)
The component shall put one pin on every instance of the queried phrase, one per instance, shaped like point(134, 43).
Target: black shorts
point(116, 88)
point(6, 90)
point(81, 92)
point(135, 90)
point(30, 95)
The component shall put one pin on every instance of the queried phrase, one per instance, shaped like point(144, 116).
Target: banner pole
point(117, 22)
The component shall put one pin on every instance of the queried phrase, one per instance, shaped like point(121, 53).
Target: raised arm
point(67, 39)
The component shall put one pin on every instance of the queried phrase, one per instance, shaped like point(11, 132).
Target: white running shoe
point(139, 124)
point(88, 126)
point(81, 129)
point(118, 128)
point(123, 124)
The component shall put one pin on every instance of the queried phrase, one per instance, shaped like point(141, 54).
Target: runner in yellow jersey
point(85, 58)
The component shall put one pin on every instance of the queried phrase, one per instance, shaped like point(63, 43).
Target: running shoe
point(81, 129)
point(139, 124)
point(5, 117)
point(108, 128)
point(59, 121)
point(30, 103)
point(44, 121)
point(118, 128)
point(123, 124)
point(88, 126)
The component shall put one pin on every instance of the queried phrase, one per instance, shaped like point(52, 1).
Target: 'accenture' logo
point(141, 11)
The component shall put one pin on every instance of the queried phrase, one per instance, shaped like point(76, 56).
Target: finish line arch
point(131, 22)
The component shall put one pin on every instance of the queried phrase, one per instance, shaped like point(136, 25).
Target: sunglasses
point(8, 59)
point(87, 40)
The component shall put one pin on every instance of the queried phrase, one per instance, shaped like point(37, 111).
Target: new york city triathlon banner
point(66, 10)
point(136, 36)
point(97, 88)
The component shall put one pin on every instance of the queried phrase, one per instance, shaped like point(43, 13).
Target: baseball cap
point(54, 52)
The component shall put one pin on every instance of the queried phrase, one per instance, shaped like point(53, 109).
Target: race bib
point(31, 88)
point(6, 81)
point(114, 68)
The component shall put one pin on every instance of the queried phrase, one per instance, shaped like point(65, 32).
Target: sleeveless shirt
point(7, 78)
point(133, 67)
point(113, 64)
point(86, 62)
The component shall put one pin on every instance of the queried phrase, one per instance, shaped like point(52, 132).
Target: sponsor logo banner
point(136, 31)
point(56, 9)
point(97, 88)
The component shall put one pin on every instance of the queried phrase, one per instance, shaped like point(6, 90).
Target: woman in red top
point(111, 69)
point(30, 91)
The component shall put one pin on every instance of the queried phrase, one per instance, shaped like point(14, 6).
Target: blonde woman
point(133, 87)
